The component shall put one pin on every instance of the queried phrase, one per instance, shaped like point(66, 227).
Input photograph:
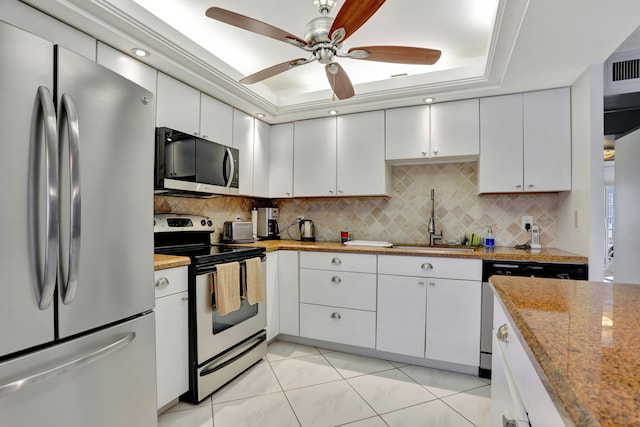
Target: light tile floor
point(298, 385)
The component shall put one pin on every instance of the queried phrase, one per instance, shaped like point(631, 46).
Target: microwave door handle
point(229, 160)
point(69, 118)
point(44, 118)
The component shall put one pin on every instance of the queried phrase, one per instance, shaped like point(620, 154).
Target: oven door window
point(246, 311)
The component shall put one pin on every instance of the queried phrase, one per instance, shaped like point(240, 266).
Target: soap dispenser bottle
point(488, 241)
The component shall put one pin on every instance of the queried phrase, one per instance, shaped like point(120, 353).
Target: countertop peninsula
point(583, 339)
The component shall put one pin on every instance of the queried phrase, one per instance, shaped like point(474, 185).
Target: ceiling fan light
point(325, 6)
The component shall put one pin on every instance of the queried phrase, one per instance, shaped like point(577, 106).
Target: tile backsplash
point(404, 216)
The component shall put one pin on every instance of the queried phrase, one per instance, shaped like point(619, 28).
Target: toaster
point(237, 232)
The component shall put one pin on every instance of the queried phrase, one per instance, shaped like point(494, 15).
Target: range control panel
point(181, 222)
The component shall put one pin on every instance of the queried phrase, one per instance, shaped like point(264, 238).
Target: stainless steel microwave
point(186, 164)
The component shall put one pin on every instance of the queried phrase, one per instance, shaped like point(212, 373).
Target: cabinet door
point(288, 289)
point(128, 67)
point(314, 157)
point(455, 128)
point(216, 120)
point(281, 161)
point(261, 166)
point(547, 140)
point(361, 168)
point(243, 141)
point(453, 321)
point(172, 346)
point(272, 297)
point(177, 105)
point(500, 168)
point(407, 133)
point(401, 315)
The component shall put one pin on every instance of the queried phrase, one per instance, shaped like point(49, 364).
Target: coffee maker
point(268, 224)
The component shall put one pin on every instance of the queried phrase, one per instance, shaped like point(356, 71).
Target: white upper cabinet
point(455, 129)
point(547, 140)
point(177, 105)
point(525, 142)
point(500, 168)
point(243, 141)
point(128, 67)
point(314, 157)
point(361, 168)
point(216, 120)
point(261, 154)
point(281, 161)
point(407, 133)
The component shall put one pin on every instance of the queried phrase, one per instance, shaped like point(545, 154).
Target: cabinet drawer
point(339, 325)
point(338, 261)
point(447, 268)
point(512, 351)
point(170, 281)
point(338, 288)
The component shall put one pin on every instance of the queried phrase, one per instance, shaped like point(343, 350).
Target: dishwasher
point(521, 269)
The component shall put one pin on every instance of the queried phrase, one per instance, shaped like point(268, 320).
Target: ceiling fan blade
point(252, 25)
point(353, 14)
point(339, 81)
point(397, 54)
point(273, 70)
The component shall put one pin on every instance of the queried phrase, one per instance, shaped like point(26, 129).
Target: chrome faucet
point(433, 236)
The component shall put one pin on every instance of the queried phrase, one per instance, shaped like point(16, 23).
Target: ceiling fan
point(324, 38)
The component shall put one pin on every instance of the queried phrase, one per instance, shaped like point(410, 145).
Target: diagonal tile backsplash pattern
point(403, 217)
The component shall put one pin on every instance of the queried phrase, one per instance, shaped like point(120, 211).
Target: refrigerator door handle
point(68, 117)
point(44, 118)
point(64, 367)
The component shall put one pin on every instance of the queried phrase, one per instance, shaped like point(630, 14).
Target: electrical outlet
point(527, 219)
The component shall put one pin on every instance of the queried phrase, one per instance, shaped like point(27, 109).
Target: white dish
point(368, 243)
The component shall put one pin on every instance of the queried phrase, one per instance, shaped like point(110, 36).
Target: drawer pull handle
point(503, 333)
point(432, 283)
point(427, 266)
point(162, 282)
point(507, 422)
point(336, 315)
point(336, 261)
point(336, 279)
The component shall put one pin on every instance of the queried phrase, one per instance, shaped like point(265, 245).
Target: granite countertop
point(162, 262)
point(583, 339)
point(497, 252)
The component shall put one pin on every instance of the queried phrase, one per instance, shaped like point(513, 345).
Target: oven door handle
point(213, 367)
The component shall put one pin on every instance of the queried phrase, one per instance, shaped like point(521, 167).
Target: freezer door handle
point(75, 363)
point(68, 118)
point(44, 119)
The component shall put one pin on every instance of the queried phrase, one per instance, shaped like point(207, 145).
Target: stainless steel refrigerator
point(77, 341)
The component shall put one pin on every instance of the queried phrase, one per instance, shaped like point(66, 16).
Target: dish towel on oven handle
point(227, 287)
point(254, 284)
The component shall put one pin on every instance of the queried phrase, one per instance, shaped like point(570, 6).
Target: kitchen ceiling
point(488, 47)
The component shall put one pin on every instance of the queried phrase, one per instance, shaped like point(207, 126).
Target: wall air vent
point(625, 70)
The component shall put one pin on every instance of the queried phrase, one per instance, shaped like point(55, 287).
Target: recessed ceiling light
point(260, 115)
point(140, 53)
point(333, 112)
point(429, 100)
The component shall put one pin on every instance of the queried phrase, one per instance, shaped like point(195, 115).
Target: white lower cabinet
point(402, 304)
point(338, 297)
point(430, 307)
point(172, 337)
point(518, 396)
point(272, 296)
point(288, 292)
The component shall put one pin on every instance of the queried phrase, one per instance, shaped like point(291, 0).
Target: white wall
point(581, 220)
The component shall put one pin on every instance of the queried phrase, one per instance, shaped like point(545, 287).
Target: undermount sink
point(436, 248)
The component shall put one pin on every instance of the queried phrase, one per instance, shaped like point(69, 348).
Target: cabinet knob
point(435, 152)
point(424, 153)
point(508, 423)
point(205, 136)
point(519, 186)
point(336, 261)
point(185, 298)
point(432, 283)
point(336, 279)
point(331, 191)
point(530, 186)
point(503, 333)
point(196, 134)
point(340, 191)
point(427, 266)
point(162, 282)
point(335, 315)
point(287, 194)
point(421, 283)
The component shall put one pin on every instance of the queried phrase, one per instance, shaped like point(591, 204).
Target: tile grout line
point(283, 391)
